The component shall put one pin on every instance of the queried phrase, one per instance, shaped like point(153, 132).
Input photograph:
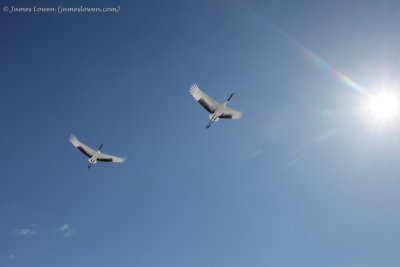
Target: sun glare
point(384, 105)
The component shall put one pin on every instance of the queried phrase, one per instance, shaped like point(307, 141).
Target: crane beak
point(230, 96)
point(100, 146)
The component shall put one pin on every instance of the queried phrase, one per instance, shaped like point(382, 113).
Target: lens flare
point(326, 67)
point(309, 55)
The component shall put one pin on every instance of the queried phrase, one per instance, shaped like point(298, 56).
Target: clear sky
point(305, 178)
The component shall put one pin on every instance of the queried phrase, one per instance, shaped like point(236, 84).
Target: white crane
point(217, 110)
point(94, 155)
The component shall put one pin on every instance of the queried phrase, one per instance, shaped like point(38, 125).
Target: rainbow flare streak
point(308, 54)
point(316, 60)
point(319, 62)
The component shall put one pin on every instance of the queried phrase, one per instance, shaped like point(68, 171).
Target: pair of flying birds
point(217, 110)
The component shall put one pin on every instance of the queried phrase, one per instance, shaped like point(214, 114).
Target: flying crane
point(217, 110)
point(94, 155)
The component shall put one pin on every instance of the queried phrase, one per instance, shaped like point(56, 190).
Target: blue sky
point(305, 178)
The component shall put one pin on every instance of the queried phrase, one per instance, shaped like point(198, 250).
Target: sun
point(383, 105)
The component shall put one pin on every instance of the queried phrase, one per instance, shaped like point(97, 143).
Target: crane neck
point(229, 98)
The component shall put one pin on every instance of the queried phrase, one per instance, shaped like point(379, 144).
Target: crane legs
point(210, 123)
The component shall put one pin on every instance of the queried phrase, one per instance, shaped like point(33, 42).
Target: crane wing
point(207, 102)
point(231, 114)
point(81, 146)
point(109, 158)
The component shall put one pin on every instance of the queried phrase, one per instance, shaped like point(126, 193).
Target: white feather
point(207, 102)
point(81, 146)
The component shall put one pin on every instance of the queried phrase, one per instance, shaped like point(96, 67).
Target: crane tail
point(211, 116)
